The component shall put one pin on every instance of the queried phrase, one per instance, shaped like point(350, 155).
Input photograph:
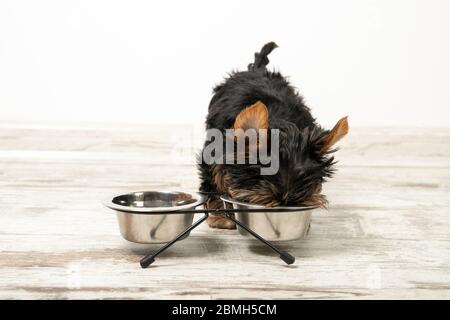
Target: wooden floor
point(385, 235)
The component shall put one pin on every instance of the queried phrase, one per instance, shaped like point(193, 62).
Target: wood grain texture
point(385, 235)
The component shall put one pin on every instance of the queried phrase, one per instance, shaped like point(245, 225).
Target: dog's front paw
point(220, 222)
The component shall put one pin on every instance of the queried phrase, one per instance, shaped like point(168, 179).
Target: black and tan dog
point(262, 99)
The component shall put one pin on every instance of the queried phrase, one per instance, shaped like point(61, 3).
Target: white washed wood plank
point(384, 236)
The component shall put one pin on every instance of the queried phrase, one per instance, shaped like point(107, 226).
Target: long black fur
point(303, 168)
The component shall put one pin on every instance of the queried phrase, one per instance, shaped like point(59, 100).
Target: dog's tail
point(261, 60)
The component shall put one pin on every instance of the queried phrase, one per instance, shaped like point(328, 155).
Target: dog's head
point(304, 162)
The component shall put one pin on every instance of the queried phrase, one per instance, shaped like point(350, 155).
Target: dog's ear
point(336, 134)
point(255, 117)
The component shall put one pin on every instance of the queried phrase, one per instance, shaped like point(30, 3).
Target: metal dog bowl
point(138, 221)
point(273, 226)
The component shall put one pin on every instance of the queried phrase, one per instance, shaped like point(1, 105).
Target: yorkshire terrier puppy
point(263, 99)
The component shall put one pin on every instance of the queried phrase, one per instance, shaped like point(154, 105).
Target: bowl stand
point(150, 258)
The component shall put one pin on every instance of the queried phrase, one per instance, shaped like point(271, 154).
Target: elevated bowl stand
point(228, 213)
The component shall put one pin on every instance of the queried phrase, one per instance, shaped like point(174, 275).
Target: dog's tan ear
point(255, 117)
point(336, 134)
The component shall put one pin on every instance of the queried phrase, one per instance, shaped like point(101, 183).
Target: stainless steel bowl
point(138, 221)
point(276, 226)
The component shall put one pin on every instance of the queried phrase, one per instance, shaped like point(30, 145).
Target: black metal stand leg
point(286, 257)
point(150, 258)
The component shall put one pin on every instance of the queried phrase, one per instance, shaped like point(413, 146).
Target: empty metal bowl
point(138, 221)
point(272, 226)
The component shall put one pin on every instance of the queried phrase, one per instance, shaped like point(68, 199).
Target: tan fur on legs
point(220, 222)
point(217, 220)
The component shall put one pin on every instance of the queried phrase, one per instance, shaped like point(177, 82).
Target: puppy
point(263, 99)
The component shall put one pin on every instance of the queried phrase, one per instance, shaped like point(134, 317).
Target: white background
point(380, 62)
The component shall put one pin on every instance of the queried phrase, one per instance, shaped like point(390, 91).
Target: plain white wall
point(381, 62)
